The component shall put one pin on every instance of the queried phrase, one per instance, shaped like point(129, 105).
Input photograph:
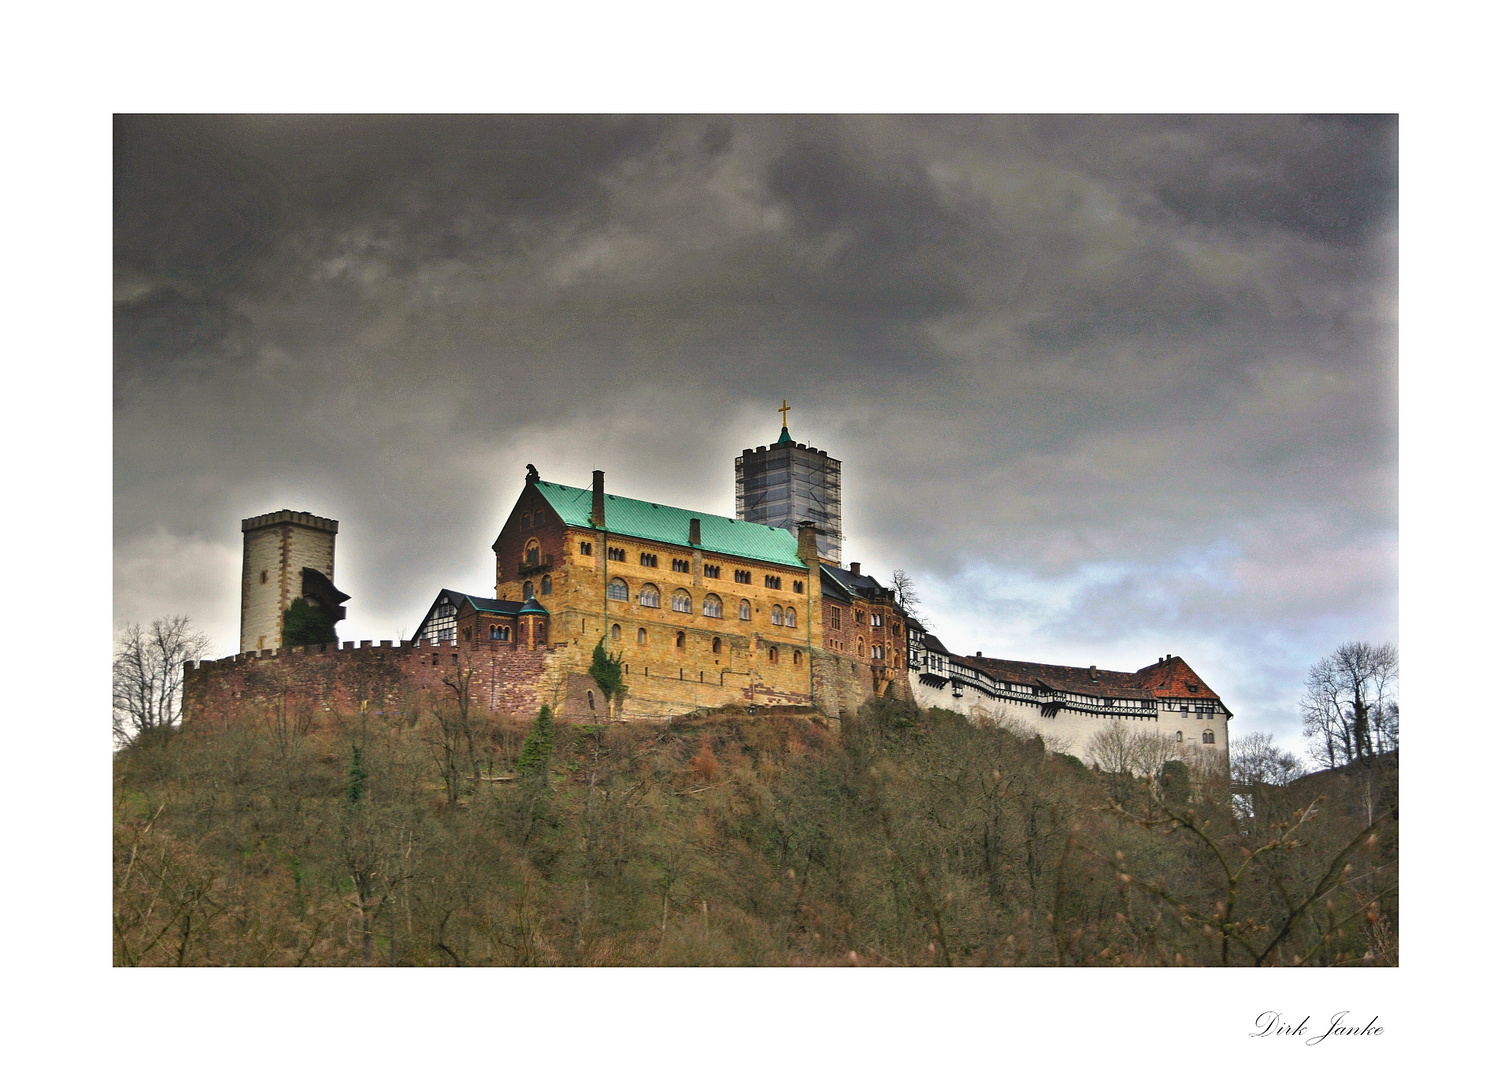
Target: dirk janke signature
point(1271, 1023)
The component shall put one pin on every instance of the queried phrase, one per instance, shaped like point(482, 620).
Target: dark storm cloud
point(1126, 378)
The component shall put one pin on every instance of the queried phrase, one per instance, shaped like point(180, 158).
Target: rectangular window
point(834, 618)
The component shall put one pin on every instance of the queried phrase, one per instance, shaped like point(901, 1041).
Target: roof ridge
point(625, 515)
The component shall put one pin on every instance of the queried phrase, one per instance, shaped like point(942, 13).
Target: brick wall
point(386, 676)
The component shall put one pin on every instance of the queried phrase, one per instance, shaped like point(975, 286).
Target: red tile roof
point(1167, 678)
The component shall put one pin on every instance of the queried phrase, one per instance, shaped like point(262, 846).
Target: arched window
point(540, 516)
point(532, 554)
point(713, 607)
point(682, 639)
point(683, 602)
point(1178, 736)
point(640, 636)
point(528, 589)
point(614, 632)
point(792, 617)
point(546, 585)
point(617, 589)
point(777, 616)
point(797, 657)
point(860, 649)
point(745, 609)
point(506, 634)
point(1207, 737)
point(649, 597)
point(772, 655)
point(716, 645)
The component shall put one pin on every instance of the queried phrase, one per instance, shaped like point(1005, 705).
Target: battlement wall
point(389, 675)
point(289, 517)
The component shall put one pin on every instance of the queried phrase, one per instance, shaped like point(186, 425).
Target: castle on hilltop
point(700, 610)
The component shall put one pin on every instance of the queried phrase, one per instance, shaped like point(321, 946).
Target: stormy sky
point(1106, 387)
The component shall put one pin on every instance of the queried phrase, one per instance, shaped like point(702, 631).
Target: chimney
point(1094, 672)
point(695, 532)
point(856, 569)
point(596, 516)
point(979, 652)
point(808, 545)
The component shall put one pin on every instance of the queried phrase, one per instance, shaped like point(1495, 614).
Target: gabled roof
point(669, 525)
point(861, 585)
point(1173, 677)
point(486, 604)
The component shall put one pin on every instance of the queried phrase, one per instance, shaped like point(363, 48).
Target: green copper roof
point(784, 439)
point(532, 607)
point(669, 525)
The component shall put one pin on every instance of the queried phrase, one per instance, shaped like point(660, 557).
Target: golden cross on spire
point(784, 412)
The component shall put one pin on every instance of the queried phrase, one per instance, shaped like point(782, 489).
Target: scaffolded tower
point(789, 482)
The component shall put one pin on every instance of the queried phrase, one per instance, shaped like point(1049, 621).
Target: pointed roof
point(532, 607)
point(784, 439)
point(635, 518)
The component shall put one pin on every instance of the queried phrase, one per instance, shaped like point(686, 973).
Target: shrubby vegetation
point(305, 623)
point(429, 836)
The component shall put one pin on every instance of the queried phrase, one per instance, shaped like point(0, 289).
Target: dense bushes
point(904, 838)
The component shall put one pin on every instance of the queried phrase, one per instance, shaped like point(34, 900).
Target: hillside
point(902, 838)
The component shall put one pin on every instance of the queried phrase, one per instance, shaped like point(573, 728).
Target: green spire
point(784, 439)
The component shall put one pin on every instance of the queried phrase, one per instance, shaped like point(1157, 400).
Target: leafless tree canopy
point(1350, 707)
point(908, 597)
point(1256, 759)
point(148, 675)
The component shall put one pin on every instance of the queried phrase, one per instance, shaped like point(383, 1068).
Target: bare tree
point(148, 676)
point(1115, 748)
point(1256, 759)
point(906, 594)
point(1349, 706)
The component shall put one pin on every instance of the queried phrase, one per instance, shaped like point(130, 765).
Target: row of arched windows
point(682, 601)
point(797, 656)
point(716, 646)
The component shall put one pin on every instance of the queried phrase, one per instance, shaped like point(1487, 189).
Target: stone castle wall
point(501, 678)
point(329, 679)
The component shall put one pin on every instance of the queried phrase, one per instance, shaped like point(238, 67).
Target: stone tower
point(286, 555)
